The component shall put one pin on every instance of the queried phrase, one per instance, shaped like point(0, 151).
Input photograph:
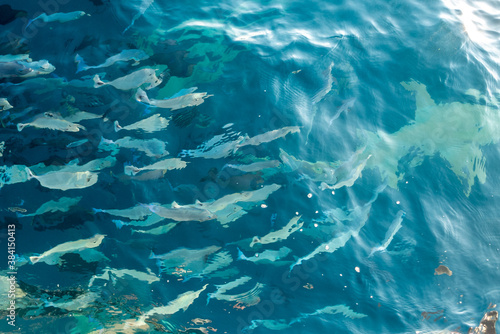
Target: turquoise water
point(336, 155)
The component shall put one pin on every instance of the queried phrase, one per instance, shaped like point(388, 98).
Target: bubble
point(315, 225)
point(398, 202)
point(327, 248)
point(357, 269)
point(263, 206)
point(333, 192)
point(309, 195)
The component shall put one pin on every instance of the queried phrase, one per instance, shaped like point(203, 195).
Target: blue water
point(392, 166)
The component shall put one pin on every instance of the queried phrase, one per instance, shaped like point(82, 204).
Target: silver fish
point(126, 55)
point(187, 100)
point(65, 180)
point(4, 104)
point(133, 80)
point(182, 213)
point(53, 122)
point(52, 255)
point(151, 124)
point(142, 9)
point(166, 164)
point(57, 17)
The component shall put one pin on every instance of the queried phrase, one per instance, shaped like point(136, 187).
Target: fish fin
point(182, 92)
point(49, 304)
point(20, 215)
point(98, 210)
point(98, 82)
point(119, 224)
point(80, 64)
point(21, 126)
point(30, 173)
point(197, 202)
point(152, 255)
point(175, 205)
point(131, 170)
point(117, 126)
point(241, 256)
point(34, 259)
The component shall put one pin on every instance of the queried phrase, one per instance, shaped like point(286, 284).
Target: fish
point(72, 166)
point(9, 58)
point(167, 164)
point(245, 299)
point(256, 166)
point(182, 302)
point(80, 116)
point(141, 10)
point(151, 147)
point(4, 104)
point(359, 215)
point(52, 255)
point(267, 256)
point(136, 212)
point(164, 229)
point(25, 69)
point(281, 234)
point(64, 180)
point(57, 17)
point(182, 213)
point(77, 143)
point(391, 232)
point(335, 309)
point(223, 288)
point(174, 103)
point(83, 301)
point(134, 80)
point(52, 122)
point(150, 124)
point(317, 171)
point(214, 264)
point(125, 55)
point(63, 204)
point(346, 106)
point(187, 258)
point(148, 277)
point(13, 69)
point(268, 136)
point(346, 174)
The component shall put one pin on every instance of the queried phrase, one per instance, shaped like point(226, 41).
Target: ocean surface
point(249, 166)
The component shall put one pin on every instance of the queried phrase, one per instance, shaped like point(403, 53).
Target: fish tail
point(20, 126)
point(152, 255)
point(49, 304)
point(119, 224)
point(131, 170)
point(209, 296)
point(80, 64)
point(98, 210)
point(30, 22)
point(34, 259)
point(117, 126)
point(241, 256)
point(20, 215)
point(30, 173)
point(97, 81)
